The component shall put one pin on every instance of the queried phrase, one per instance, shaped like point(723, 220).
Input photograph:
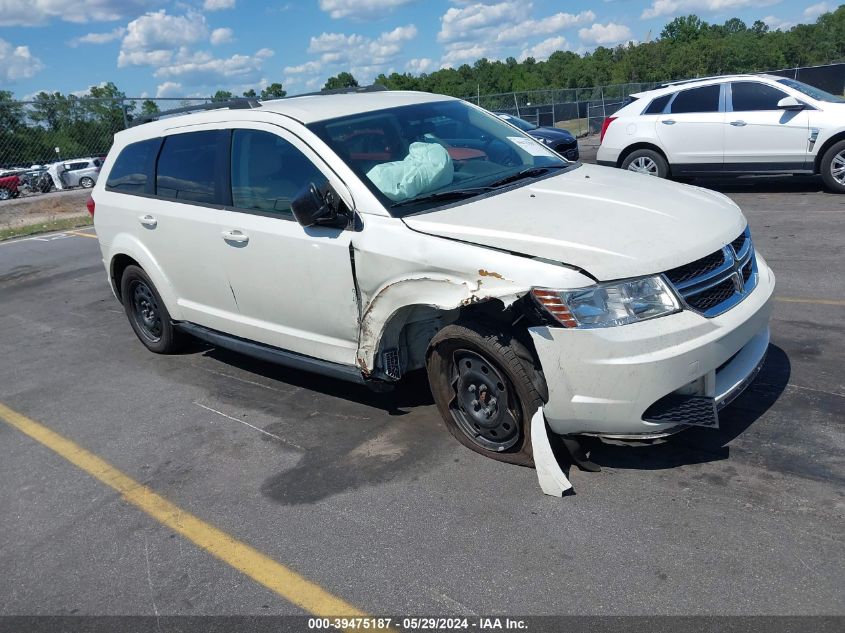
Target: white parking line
point(47, 237)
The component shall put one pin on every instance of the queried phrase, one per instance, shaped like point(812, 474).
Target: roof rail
point(689, 81)
point(342, 91)
point(231, 104)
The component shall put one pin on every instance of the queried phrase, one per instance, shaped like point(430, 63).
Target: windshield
point(417, 157)
point(816, 93)
point(522, 124)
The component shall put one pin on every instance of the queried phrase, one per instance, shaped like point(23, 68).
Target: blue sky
point(194, 47)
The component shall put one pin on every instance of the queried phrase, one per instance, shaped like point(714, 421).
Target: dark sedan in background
point(561, 141)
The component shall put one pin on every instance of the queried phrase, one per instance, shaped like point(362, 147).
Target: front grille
point(697, 268)
point(712, 296)
point(715, 283)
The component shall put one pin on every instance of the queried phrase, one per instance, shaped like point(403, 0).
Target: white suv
point(364, 236)
point(735, 125)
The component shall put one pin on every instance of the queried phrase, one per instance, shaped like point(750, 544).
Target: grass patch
point(45, 227)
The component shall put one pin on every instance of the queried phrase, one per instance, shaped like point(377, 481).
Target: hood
point(609, 222)
point(551, 133)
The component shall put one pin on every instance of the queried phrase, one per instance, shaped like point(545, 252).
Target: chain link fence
point(59, 143)
point(48, 143)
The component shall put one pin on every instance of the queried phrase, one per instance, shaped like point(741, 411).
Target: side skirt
point(273, 354)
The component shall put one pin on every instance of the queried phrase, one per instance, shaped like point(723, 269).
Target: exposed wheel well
point(118, 265)
point(411, 330)
point(632, 148)
point(831, 141)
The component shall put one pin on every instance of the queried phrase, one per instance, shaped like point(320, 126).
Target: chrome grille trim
point(734, 268)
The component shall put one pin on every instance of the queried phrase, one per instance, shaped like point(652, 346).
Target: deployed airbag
point(427, 167)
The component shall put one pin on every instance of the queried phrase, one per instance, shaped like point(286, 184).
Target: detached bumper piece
point(679, 409)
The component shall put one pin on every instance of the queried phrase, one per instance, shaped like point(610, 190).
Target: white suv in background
point(364, 236)
point(733, 125)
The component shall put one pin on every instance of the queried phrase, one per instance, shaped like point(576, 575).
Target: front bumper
point(603, 381)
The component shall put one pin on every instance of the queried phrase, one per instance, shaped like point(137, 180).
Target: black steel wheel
point(484, 405)
point(487, 386)
point(147, 313)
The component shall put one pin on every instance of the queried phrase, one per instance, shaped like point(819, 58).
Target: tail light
point(90, 205)
point(606, 125)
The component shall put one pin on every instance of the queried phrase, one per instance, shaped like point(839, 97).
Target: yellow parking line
point(285, 582)
point(824, 302)
point(78, 234)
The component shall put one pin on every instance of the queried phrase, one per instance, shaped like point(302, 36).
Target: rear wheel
point(482, 383)
point(833, 167)
point(86, 182)
point(646, 161)
point(147, 313)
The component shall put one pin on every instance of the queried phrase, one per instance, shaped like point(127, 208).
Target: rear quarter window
point(658, 105)
point(130, 171)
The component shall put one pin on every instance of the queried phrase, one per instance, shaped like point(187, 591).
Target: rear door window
point(129, 173)
point(703, 99)
point(268, 172)
point(750, 96)
point(186, 167)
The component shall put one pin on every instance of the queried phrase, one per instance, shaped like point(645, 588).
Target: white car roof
point(704, 81)
point(305, 109)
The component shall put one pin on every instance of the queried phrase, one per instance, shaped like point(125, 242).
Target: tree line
point(686, 47)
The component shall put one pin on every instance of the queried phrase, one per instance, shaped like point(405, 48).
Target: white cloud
point(419, 65)
point(360, 9)
point(218, 5)
point(605, 34)
point(544, 26)
point(169, 89)
point(16, 62)
point(674, 7)
point(38, 12)
point(476, 29)
point(153, 38)
point(200, 69)
point(363, 56)
point(98, 38)
point(221, 36)
point(307, 67)
point(776, 24)
point(543, 50)
point(815, 10)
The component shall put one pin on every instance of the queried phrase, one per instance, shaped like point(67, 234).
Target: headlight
point(608, 304)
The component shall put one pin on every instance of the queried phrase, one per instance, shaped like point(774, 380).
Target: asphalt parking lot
point(367, 496)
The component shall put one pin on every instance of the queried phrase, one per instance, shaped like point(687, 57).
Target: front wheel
point(485, 387)
point(833, 167)
point(5, 194)
point(648, 162)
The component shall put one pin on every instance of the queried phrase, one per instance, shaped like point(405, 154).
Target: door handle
point(738, 123)
point(668, 121)
point(235, 236)
point(147, 220)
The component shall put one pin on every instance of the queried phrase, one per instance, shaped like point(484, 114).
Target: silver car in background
point(82, 172)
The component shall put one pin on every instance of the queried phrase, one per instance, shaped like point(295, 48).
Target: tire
point(5, 194)
point(646, 161)
point(832, 167)
point(86, 182)
point(147, 313)
point(470, 359)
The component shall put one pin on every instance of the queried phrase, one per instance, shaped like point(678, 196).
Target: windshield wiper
point(530, 172)
point(452, 194)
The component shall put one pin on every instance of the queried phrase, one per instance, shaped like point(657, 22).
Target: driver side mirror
point(790, 103)
point(312, 208)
